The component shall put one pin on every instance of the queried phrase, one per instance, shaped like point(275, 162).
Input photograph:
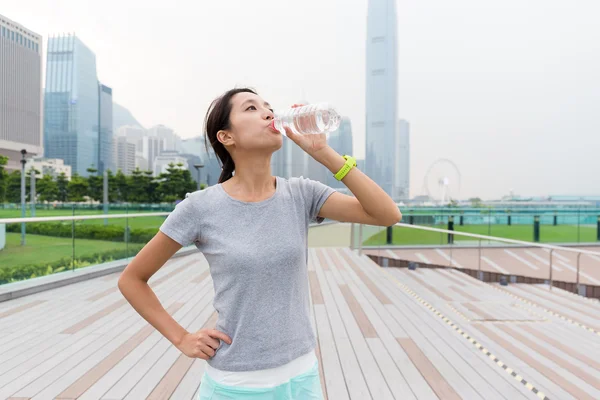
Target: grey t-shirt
point(257, 253)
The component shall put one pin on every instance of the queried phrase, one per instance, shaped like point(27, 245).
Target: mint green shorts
point(306, 386)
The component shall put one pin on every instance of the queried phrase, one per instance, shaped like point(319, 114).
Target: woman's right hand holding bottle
point(202, 344)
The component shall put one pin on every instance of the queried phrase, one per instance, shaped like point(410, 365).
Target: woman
point(252, 228)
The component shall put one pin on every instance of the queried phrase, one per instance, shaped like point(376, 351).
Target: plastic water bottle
point(309, 119)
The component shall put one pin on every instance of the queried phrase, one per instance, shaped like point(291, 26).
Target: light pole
point(198, 167)
point(23, 152)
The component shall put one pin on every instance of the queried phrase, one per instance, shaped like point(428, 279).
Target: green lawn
point(39, 249)
point(548, 234)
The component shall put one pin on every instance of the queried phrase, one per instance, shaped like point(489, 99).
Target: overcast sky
point(509, 90)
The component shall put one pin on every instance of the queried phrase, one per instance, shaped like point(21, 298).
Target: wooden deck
point(382, 334)
point(532, 262)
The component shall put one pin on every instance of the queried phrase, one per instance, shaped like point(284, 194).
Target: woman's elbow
point(394, 217)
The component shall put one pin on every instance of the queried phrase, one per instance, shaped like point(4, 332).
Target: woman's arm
point(133, 284)
point(371, 206)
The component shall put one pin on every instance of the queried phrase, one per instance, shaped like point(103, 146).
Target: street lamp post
point(23, 152)
point(198, 167)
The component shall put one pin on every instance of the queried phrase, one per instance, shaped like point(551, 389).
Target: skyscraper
point(152, 146)
point(402, 166)
point(123, 155)
point(381, 93)
point(20, 92)
point(73, 105)
point(105, 135)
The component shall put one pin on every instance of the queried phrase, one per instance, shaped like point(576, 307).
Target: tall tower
point(20, 92)
point(381, 93)
point(71, 104)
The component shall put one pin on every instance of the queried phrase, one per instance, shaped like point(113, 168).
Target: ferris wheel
point(442, 181)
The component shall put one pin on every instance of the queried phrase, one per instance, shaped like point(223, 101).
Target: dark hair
point(217, 118)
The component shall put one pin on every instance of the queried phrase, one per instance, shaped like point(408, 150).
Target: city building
point(124, 155)
point(212, 168)
point(105, 133)
point(133, 133)
point(402, 164)
point(48, 166)
point(20, 92)
point(73, 105)
point(381, 93)
point(171, 140)
point(152, 146)
point(141, 162)
point(162, 161)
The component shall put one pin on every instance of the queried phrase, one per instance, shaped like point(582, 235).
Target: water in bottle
point(309, 119)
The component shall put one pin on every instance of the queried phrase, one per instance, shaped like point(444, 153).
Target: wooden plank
point(564, 302)
point(95, 317)
point(436, 381)
point(476, 359)
point(100, 295)
point(201, 277)
point(49, 329)
point(352, 263)
point(463, 293)
point(190, 383)
point(548, 372)
point(321, 373)
point(23, 307)
point(553, 356)
point(76, 389)
point(136, 383)
point(463, 367)
point(359, 315)
point(196, 307)
point(169, 382)
point(429, 287)
point(552, 306)
point(373, 376)
point(13, 358)
point(404, 379)
point(193, 305)
point(82, 349)
point(315, 289)
point(354, 380)
point(334, 381)
point(547, 386)
point(396, 382)
point(322, 261)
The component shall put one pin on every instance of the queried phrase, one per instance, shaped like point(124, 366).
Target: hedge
point(83, 231)
point(18, 273)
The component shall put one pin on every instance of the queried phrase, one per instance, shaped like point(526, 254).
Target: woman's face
point(250, 121)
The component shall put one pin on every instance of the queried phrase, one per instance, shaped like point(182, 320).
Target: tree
point(121, 186)
point(475, 202)
point(13, 187)
point(142, 188)
point(3, 178)
point(175, 183)
point(95, 185)
point(113, 190)
point(77, 188)
point(62, 185)
point(47, 188)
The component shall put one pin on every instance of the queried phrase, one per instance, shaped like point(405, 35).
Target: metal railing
point(552, 248)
